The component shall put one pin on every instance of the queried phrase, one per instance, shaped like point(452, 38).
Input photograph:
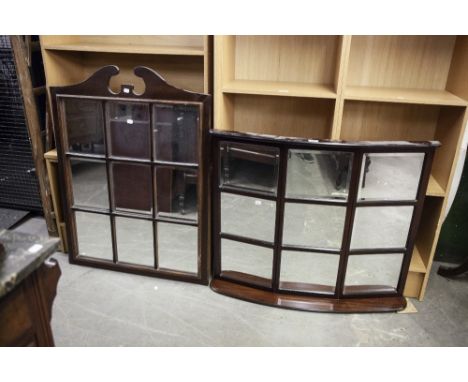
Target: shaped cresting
point(316, 225)
point(132, 167)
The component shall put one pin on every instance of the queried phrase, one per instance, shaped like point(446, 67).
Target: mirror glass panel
point(248, 216)
point(134, 241)
point(94, 235)
point(381, 227)
point(176, 192)
point(129, 129)
point(318, 174)
point(89, 183)
point(175, 129)
point(177, 247)
point(132, 187)
point(313, 225)
point(320, 269)
point(390, 176)
point(252, 167)
point(246, 258)
point(85, 126)
point(375, 270)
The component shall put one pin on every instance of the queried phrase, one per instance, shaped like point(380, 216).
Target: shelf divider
point(398, 95)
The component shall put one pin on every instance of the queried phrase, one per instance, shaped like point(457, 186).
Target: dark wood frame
point(157, 90)
point(293, 295)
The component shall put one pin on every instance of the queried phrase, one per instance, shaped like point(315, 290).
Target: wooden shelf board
point(51, 155)
point(126, 48)
point(285, 89)
point(417, 264)
point(396, 95)
point(434, 188)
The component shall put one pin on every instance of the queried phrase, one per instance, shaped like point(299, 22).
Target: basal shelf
point(417, 264)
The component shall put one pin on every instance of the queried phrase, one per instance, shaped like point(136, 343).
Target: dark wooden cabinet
point(25, 313)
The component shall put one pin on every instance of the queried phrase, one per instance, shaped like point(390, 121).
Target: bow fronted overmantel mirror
point(133, 170)
point(316, 225)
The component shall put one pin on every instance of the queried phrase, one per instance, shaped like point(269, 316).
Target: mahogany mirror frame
point(157, 91)
point(272, 292)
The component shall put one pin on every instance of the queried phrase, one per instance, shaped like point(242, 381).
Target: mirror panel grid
point(250, 167)
point(129, 129)
point(176, 193)
point(381, 227)
point(177, 247)
point(84, 120)
point(94, 235)
point(175, 132)
point(313, 225)
point(248, 216)
point(246, 258)
point(89, 183)
point(316, 174)
point(135, 241)
point(376, 271)
point(131, 187)
point(309, 271)
point(390, 176)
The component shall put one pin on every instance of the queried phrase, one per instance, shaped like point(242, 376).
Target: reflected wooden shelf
point(398, 95)
point(286, 89)
point(417, 264)
point(126, 48)
point(434, 188)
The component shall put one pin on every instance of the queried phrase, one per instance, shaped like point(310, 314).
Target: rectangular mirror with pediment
point(134, 173)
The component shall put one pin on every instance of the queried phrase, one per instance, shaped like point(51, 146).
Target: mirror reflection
point(313, 225)
point(132, 187)
point(85, 126)
point(308, 267)
point(252, 167)
point(176, 132)
point(177, 247)
point(318, 174)
point(93, 235)
point(246, 258)
point(134, 241)
point(376, 270)
point(129, 129)
point(381, 227)
point(390, 176)
point(248, 216)
point(176, 193)
point(89, 183)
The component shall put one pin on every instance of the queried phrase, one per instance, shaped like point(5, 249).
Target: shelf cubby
point(407, 69)
point(287, 116)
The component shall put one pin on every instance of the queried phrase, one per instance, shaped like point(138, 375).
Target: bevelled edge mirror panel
point(377, 272)
point(175, 132)
point(390, 176)
point(250, 167)
point(320, 236)
point(318, 174)
point(94, 235)
point(381, 227)
point(135, 244)
point(309, 271)
point(248, 216)
point(129, 129)
point(135, 172)
point(176, 193)
point(247, 259)
point(84, 121)
point(313, 225)
point(89, 183)
point(177, 247)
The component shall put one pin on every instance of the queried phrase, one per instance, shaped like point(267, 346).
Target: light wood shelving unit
point(353, 88)
point(184, 61)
